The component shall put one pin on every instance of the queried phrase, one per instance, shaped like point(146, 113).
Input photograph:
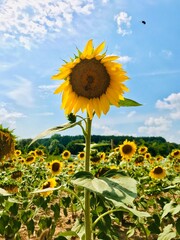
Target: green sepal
point(128, 103)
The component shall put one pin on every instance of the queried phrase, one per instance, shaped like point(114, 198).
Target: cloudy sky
point(37, 35)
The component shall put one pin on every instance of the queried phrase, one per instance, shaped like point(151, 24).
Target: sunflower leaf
point(128, 103)
point(54, 130)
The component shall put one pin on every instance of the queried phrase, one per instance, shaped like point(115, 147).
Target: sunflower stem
point(88, 222)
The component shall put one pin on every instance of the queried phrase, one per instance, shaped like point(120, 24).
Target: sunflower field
point(132, 195)
point(119, 193)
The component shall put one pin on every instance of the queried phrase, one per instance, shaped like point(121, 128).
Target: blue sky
point(36, 35)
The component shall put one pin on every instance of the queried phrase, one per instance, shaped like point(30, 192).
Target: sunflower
point(81, 155)
point(139, 161)
point(56, 167)
point(17, 153)
point(157, 172)
point(159, 158)
point(147, 156)
point(127, 149)
point(175, 153)
point(66, 154)
point(176, 165)
point(39, 152)
point(71, 169)
point(50, 183)
point(142, 150)
point(16, 174)
point(93, 81)
point(102, 156)
point(30, 159)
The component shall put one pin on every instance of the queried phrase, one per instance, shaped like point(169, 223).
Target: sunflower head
point(7, 143)
point(142, 150)
point(39, 152)
point(175, 153)
point(127, 149)
point(93, 82)
point(56, 167)
point(81, 155)
point(157, 172)
point(66, 154)
point(30, 159)
point(50, 183)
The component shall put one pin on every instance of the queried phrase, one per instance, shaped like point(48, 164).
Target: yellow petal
point(109, 58)
point(96, 106)
point(62, 75)
point(99, 48)
point(88, 49)
point(61, 87)
point(90, 109)
point(105, 105)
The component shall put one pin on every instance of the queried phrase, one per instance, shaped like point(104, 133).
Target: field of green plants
point(132, 194)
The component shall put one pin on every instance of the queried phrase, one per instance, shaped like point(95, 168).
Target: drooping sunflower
point(93, 82)
point(66, 154)
point(81, 155)
point(50, 183)
point(16, 174)
point(157, 172)
point(127, 149)
point(56, 167)
point(139, 161)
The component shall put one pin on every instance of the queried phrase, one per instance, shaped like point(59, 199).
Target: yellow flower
point(17, 153)
point(102, 156)
point(157, 173)
point(50, 183)
point(139, 161)
point(66, 154)
point(127, 149)
point(159, 158)
point(93, 82)
point(30, 159)
point(147, 156)
point(39, 152)
point(175, 153)
point(81, 155)
point(142, 150)
point(56, 167)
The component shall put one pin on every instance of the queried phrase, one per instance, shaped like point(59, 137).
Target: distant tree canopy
point(56, 144)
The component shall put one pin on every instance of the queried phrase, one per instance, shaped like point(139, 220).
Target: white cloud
point(8, 118)
point(104, 130)
point(123, 23)
point(171, 103)
point(166, 53)
point(155, 126)
point(125, 59)
point(29, 21)
point(130, 114)
point(21, 92)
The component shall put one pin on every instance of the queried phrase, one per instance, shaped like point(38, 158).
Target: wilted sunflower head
point(66, 154)
point(127, 149)
point(7, 143)
point(157, 172)
point(93, 82)
point(56, 167)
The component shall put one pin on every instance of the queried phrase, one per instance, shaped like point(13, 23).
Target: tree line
point(56, 144)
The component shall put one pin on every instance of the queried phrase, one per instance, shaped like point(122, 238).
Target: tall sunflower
point(157, 172)
point(127, 149)
point(93, 82)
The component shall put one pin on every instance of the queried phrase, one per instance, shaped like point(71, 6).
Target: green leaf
point(171, 207)
point(4, 192)
point(178, 226)
point(128, 103)
point(54, 130)
point(167, 233)
point(117, 188)
point(120, 190)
